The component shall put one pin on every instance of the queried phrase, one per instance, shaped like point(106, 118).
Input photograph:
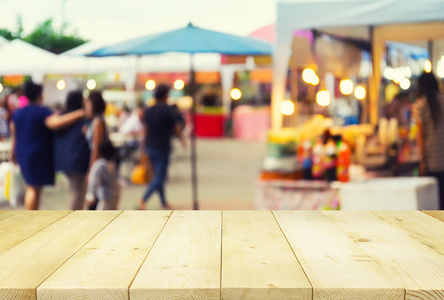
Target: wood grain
point(421, 227)
point(28, 264)
point(437, 214)
point(414, 265)
point(184, 263)
point(17, 226)
point(107, 265)
point(257, 262)
point(336, 267)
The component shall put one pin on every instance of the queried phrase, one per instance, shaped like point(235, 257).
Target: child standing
point(102, 179)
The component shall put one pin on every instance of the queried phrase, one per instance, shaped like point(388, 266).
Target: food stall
point(374, 21)
point(336, 73)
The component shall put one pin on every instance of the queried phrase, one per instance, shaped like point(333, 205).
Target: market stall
point(369, 20)
point(331, 63)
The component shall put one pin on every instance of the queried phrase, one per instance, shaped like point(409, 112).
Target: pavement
point(227, 172)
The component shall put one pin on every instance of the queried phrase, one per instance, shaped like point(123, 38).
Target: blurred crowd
point(75, 138)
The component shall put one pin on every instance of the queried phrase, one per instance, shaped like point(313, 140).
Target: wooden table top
point(221, 254)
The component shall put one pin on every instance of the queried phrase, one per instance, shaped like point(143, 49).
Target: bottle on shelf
point(305, 157)
point(330, 160)
point(318, 169)
point(344, 160)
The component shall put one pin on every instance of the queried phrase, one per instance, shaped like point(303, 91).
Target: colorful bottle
point(305, 158)
point(344, 160)
point(330, 160)
point(317, 168)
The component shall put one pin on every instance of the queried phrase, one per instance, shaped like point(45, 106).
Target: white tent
point(3, 40)
point(21, 58)
point(377, 21)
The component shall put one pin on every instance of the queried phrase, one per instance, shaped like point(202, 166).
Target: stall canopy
point(3, 40)
point(375, 21)
point(21, 58)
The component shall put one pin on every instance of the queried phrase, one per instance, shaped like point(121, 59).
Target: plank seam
point(50, 224)
point(76, 252)
point(294, 253)
point(148, 252)
point(421, 242)
point(221, 248)
point(371, 256)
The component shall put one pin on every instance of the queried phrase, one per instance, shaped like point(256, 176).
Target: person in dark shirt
point(32, 142)
point(159, 123)
point(72, 152)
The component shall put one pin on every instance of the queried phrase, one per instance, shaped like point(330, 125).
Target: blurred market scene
point(332, 105)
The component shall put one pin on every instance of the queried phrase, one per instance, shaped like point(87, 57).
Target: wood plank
point(421, 227)
point(107, 265)
point(336, 267)
point(28, 264)
point(437, 214)
point(17, 226)
point(257, 262)
point(184, 263)
point(418, 268)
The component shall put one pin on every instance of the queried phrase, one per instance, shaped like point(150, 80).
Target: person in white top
point(102, 179)
point(132, 132)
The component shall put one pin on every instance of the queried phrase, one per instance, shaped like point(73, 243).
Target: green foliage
point(7, 34)
point(46, 37)
point(19, 31)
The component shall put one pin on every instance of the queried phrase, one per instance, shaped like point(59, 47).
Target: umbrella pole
point(193, 137)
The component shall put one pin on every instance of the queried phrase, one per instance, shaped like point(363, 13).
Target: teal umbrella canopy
point(190, 39)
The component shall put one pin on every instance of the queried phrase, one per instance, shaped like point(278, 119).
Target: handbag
point(142, 173)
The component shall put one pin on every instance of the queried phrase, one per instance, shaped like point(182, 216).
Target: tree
point(19, 31)
point(46, 37)
point(7, 34)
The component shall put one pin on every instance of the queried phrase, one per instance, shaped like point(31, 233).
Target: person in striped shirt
point(429, 114)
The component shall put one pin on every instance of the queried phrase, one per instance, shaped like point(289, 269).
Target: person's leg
point(32, 197)
point(165, 159)
point(157, 180)
point(77, 188)
point(110, 204)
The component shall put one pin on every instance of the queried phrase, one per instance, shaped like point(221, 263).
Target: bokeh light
point(179, 84)
point(61, 85)
point(1, 87)
point(235, 94)
point(150, 85)
point(404, 84)
point(309, 76)
point(323, 98)
point(287, 107)
point(389, 73)
point(91, 84)
point(360, 92)
point(346, 86)
point(427, 66)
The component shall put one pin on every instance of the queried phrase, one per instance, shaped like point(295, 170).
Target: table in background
point(296, 195)
point(221, 254)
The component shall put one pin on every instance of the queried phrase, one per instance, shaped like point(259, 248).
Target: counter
point(221, 254)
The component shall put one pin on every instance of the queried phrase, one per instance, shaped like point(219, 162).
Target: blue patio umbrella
point(190, 39)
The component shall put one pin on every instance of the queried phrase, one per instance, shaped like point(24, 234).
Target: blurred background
point(311, 105)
